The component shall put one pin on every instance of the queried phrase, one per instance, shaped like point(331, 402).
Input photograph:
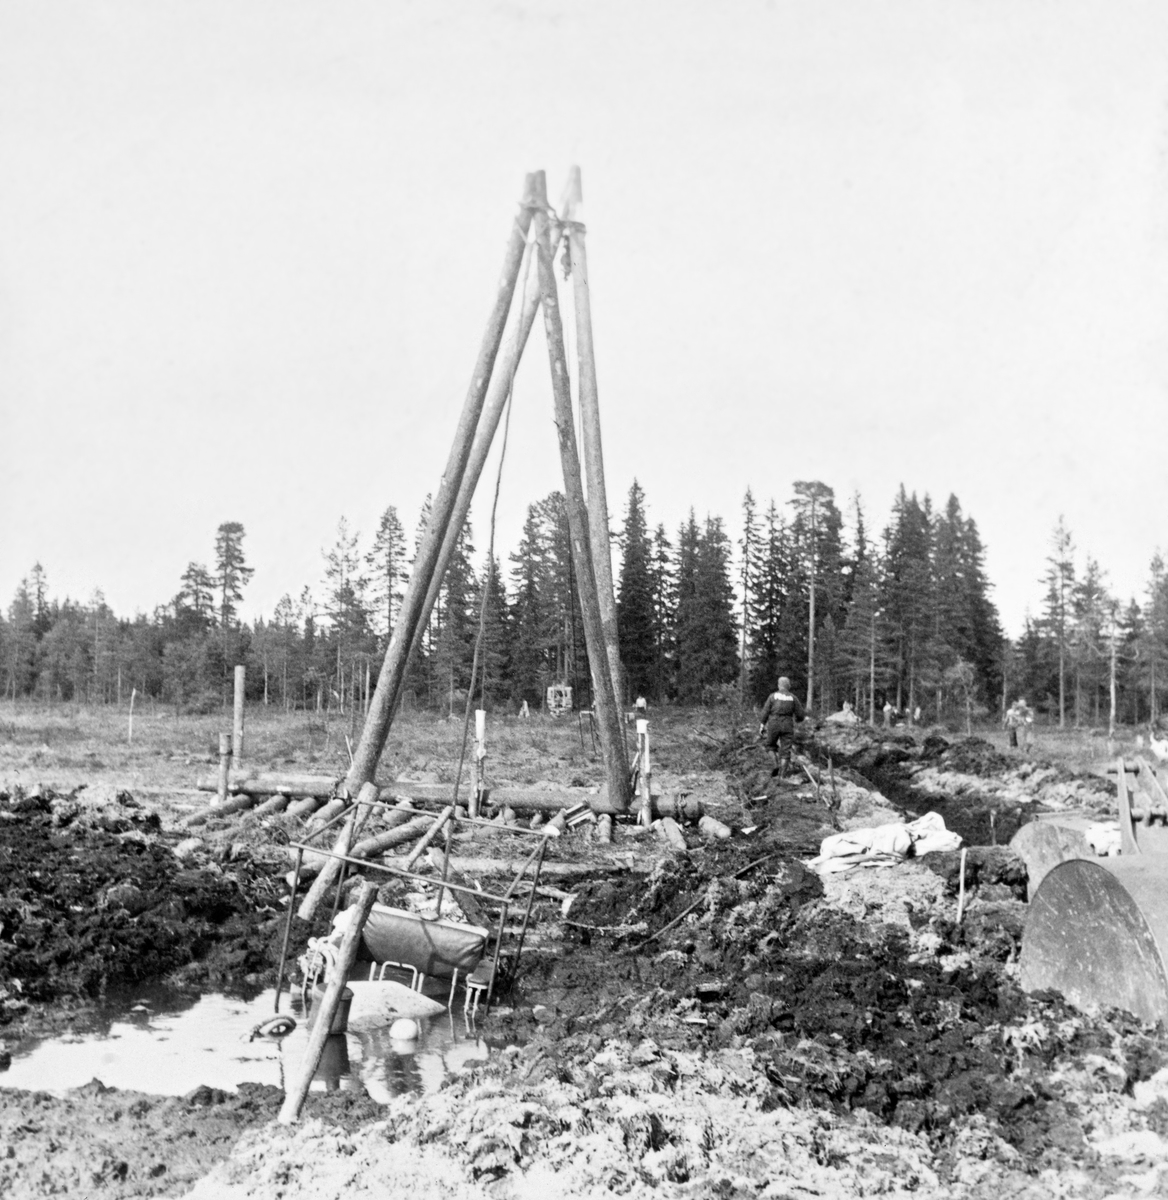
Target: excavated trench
point(842, 1012)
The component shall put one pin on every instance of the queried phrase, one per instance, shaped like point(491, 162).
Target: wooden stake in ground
point(590, 430)
point(478, 762)
point(224, 768)
point(237, 725)
point(295, 1096)
point(646, 817)
point(130, 732)
point(393, 670)
point(961, 887)
point(612, 742)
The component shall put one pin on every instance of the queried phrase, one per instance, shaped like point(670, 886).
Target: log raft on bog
point(252, 784)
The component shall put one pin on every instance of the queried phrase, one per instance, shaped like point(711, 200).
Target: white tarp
point(884, 845)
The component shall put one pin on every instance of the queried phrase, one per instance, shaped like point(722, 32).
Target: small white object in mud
point(404, 1029)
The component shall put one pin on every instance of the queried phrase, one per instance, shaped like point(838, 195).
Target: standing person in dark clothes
point(777, 724)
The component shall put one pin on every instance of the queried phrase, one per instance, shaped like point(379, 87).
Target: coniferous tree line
point(1091, 658)
point(906, 620)
point(901, 617)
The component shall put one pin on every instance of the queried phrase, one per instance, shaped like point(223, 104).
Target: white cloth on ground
point(884, 845)
point(1104, 838)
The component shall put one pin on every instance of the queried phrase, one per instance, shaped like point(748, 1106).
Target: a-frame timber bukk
point(535, 235)
point(536, 230)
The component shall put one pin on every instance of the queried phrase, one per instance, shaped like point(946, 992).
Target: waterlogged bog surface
point(165, 1045)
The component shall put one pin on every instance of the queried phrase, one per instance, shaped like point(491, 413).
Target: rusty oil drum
point(1097, 931)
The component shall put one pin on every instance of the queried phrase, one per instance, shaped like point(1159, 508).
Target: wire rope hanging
point(477, 657)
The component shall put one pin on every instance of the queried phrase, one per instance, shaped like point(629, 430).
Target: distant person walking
point(777, 724)
point(1019, 722)
point(1025, 726)
point(1010, 721)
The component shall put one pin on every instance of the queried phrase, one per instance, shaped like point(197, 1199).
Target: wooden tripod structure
point(486, 399)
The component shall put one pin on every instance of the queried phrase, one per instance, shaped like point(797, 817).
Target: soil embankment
point(94, 897)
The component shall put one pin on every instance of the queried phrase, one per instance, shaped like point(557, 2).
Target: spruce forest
point(900, 616)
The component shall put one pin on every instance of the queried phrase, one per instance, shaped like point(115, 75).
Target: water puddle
point(167, 1045)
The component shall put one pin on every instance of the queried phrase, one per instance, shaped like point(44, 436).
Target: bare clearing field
point(718, 1021)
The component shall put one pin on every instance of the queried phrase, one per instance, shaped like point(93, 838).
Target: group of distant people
point(783, 710)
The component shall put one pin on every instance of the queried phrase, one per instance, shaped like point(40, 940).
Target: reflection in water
point(171, 1045)
point(334, 1070)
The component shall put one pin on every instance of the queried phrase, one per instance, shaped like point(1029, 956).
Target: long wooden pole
point(393, 669)
point(329, 872)
point(359, 912)
point(612, 742)
point(320, 786)
point(519, 328)
point(590, 428)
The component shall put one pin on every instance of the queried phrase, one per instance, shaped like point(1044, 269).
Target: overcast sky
point(247, 250)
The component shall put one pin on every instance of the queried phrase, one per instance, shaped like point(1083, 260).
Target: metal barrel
point(1097, 931)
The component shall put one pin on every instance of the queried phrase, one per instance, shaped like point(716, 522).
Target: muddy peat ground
point(789, 1036)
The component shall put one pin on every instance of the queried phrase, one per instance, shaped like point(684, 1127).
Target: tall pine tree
point(634, 608)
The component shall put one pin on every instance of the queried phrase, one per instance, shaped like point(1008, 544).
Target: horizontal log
point(323, 815)
point(519, 799)
point(495, 867)
point(268, 783)
point(234, 805)
point(669, 831)
point(302, 808)
point(715, 830)
point(274, 804)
